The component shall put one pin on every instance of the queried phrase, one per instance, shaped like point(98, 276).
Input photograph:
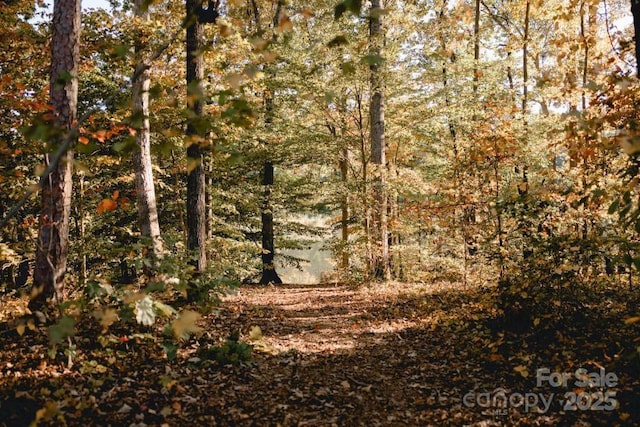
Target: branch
point(73, 132)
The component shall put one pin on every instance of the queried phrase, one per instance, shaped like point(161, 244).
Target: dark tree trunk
point(196, 206)
point(344, 205)
point(269, 274)
point(53, 235)
point(635, 10)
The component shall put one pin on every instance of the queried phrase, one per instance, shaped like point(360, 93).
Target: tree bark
point(378, 149)
point(196, 205)
point(53, 235)
point(344, 206)
point(146, 195)
point(635, 10)
point(269, 274)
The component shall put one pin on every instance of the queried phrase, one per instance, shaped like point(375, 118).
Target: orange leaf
point(115, 195)
point(107, 205)
point(124, 203)
point(83, 140)
point(285, 24)
point(307, 13)
point(100, 135)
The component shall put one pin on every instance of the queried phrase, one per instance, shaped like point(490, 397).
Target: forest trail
point(328, 355)
point(336, 355)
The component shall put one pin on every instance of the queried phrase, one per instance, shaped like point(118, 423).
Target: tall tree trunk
point(523, 187)
point(343, 165)
point(635, 10)
point(196, 206)
point(525, 57)
point(146, 195)
point(476, 50)
point(378, 149)
point(269, 274)
point(82, 234)
point(364, 188)
point(344, 205)
point(53, 235)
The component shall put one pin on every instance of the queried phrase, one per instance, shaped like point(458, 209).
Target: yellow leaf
point(192, 164)
point(255, 334)
point(235, 80)
point(225, 30)
point(631, 320)
point(522, 370)
point(269, 56)
point(185, 324)
point(47, 413)
point(106, 317)
point(20, 328)
point(258, 43)
point(536, 321)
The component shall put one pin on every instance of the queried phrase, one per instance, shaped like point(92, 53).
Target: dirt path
point(348, 357)
point(398, 355)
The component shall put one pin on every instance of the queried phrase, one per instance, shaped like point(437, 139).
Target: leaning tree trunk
point(51, 252)
point(146, 195)
point(196, 197)
point(378, 148)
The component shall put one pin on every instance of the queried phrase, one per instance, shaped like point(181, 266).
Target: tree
point(145, 190)
point(378, 148)
point(52, 245)
point(635, 10)
point(269, 273)
point(196, 180)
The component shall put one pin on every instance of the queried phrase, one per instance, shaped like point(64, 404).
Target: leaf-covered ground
point(392, 355)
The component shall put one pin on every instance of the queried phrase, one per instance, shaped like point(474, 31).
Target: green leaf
point(348, 68)
point(170, 349)
point(354, 6)
point(339, 10)
point(377, 12)
point(373, 60)
point(62, 79)
point(126, 146)
point(338, 41)
point(614, 206)
point(61, 330)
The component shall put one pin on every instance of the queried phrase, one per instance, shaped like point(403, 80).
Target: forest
point(320, 212)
